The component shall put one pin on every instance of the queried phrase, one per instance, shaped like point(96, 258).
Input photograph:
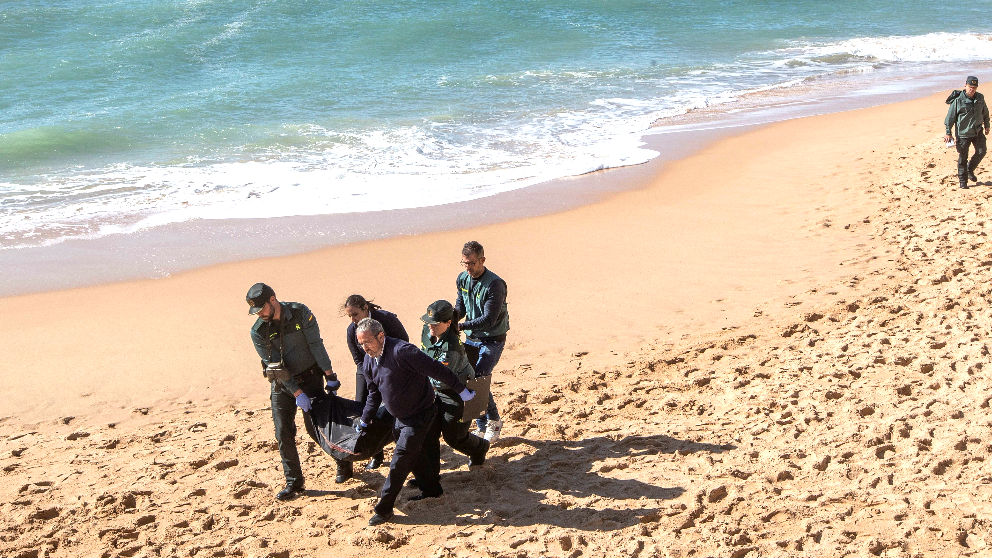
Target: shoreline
point(691, 255)
point(163, 251)
point(784, 358)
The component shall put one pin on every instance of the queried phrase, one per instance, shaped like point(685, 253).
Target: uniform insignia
point(298, 328)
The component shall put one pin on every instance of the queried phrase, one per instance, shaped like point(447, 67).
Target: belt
point(494, 339)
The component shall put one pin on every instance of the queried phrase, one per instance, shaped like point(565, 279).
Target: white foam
point(932, 47)
point(327, 171)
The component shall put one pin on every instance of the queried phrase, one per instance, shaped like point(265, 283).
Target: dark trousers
point(484, 355)
point(361, 389)
point(964, 165)
point(453, 430)
point(284, 420)
point(361, 395)
point(418, 450)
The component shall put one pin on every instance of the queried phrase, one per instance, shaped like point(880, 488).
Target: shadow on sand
point(538, 482)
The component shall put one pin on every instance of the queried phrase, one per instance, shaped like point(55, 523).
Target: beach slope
point(774, 348)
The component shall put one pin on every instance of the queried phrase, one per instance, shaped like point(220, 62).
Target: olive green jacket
point(969, 116)
point(447, 350)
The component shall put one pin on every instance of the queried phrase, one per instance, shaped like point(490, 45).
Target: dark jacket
point(390, 324)
point(482, 302)
point(399, 380)
point(294, 339)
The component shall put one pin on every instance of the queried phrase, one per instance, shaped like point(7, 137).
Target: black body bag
point(333, 420)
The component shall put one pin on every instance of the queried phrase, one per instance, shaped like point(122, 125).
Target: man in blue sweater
point(397, 373)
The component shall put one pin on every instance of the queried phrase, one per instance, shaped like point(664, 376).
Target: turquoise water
point(117, 116)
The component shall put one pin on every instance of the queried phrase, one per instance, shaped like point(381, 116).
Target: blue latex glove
point(303, 402)
point(360, 426)
point(332, 384)
point(467, 395)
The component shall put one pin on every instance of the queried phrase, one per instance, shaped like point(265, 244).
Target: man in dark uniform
point(481, 300)
point(397, 373)
point(969, 114)
point(295, 362)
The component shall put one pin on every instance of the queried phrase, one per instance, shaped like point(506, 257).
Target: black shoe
point(964, 186)
point(972, 177)
point(375, 462)
point(423, 496)
point(290, 491)
point(345, 472)
point(379, 519)
point(479, 457)
point(412, 483)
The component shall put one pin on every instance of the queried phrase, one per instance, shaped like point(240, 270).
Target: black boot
point(375, 462)
point(292, 490)
point(479, 457)
point(345, 472)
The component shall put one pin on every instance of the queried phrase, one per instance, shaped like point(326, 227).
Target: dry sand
point(777, 348)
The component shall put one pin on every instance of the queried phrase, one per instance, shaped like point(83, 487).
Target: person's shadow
point(542, 482)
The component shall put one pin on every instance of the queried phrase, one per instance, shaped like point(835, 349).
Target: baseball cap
point(972, 80)
point(439, 311)
point(258, 295)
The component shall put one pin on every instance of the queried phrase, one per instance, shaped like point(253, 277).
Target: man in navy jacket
point(397, 375)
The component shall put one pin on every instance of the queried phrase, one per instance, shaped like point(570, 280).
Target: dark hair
point(473, 248)
point(358, 301)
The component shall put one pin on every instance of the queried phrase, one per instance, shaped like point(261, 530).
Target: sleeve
point(261, 347)
point(985, 115)
point(490, 307)
point(291, 385)
point(374, 398)
point(394, 327)
point(357, 354)
point(459, 305)
point(312, 333)
point(950, 119)
point(421, 363)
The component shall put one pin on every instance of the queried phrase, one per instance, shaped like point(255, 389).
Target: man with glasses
point(294, 360)
point(481, 300)
point(970, 115)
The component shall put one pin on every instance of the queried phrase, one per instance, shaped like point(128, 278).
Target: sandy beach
point(775, 347)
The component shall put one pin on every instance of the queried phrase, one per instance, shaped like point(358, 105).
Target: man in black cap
point(397, 375)
point(295, 362)
point(970, 115)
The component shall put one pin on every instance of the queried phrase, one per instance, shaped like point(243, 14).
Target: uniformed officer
point(295, 362)
point(481, 300)
point(440, 341)
point(969, 115)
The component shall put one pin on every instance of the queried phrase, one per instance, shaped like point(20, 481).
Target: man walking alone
point(970, 115)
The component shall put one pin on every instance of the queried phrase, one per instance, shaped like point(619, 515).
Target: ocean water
point(118, 116)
